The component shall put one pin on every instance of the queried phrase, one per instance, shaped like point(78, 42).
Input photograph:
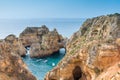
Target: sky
point(25, 9)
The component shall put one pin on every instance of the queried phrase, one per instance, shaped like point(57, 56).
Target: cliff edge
point(12, 66)
point(93, 52)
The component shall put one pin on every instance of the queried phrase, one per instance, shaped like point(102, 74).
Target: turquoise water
point(39, 67)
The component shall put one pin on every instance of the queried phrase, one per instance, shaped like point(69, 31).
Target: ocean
point(66, 27)
point(40, 66)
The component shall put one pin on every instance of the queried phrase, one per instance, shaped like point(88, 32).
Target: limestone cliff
point(33, 35)
point(93, 52)
point(16, 45)
point(42, 42)
point(11, 65)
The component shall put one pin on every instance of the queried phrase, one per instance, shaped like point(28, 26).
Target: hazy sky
point(57, 8)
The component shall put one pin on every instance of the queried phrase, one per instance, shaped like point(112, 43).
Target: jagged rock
point(33, 35)
point(94, 49)
point(42, 42)
point(11, 65)
point(16, 44)
point(50, 43)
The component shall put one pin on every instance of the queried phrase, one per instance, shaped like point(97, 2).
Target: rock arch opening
point(77, 73)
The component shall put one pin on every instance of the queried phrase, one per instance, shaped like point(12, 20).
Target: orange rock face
point(42, 42)
point(33, 35)
point(112, 73)
point(11, 65)
point(93, 52)
point(50, 44)
point(16, 45)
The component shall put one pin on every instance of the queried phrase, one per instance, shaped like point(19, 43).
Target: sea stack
point(41, 41)
point(93, 52)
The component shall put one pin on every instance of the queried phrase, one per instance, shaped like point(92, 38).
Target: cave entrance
point(77, 73)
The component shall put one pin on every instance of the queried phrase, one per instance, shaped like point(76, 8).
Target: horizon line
point(44, 18)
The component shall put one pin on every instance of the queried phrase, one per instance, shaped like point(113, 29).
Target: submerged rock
point(93, 52)
point(11, 65)
point(42, 42)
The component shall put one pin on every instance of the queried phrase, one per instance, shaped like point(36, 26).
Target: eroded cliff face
point(33, 35)
point(93, 52)
point(11, 65)
point(16, 45)
point(42, 42)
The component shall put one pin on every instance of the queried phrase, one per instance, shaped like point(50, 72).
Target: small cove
point(40, 66)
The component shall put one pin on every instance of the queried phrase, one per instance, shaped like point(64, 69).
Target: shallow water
point(39, 67)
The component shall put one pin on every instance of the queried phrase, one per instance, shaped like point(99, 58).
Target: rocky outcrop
point(93, 52)
point(33, 35)
point(50, 43)
point(11, 65)
point(42, 42)
point(16, 45)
